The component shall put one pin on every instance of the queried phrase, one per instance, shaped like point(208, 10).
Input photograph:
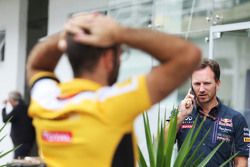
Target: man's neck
point(96, 77)
point(206, 107)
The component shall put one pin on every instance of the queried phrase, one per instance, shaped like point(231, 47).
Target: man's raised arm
point(178, 57)
point(44, 56)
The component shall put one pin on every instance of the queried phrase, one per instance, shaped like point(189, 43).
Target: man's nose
point(202, 89)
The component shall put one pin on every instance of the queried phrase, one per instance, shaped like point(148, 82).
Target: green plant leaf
point(227, 161)
point(2, 153)
point(7, 152)
point(197, 131)
point(160, 148)
point(2, 138)
point(157, 137)
point(149, 140)
point(185, 148)
point(142, 162)
point(210, 155)
point(197, 160)
point(4, 165)
point(164, 124)
point(158, 123)
point(5, 124)
point(170, 141)
point(193, 155)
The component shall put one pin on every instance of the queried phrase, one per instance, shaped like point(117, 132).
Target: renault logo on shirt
point(57, 136)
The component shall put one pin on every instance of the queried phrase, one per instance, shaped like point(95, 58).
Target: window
point(2, 45)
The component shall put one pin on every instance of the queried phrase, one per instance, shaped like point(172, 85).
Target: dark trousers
point(23, 150)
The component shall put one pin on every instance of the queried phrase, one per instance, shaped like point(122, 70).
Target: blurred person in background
point(22, 131)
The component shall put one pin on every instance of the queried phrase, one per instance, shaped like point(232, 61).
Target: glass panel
point(134, 62)
point(201, 40)
point(188, 18)
point(133, 13)
point(179, 16)
point(231, 11)
point(232, 50)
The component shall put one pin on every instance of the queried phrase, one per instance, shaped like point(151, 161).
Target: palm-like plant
point(160, 148)
point(4, 153)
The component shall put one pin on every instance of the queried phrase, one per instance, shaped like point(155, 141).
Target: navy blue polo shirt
point(226, 125)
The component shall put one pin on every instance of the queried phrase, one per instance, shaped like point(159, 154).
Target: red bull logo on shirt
point(226, 122)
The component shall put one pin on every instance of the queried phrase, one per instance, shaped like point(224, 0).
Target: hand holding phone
point(189, 99)
point(186, 105)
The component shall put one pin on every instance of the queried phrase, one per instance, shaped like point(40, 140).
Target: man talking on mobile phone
point(225, 124)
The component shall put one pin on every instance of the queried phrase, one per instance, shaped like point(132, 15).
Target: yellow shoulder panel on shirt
point(127, 100)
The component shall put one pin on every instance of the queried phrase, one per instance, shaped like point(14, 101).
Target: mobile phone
point(193, 93)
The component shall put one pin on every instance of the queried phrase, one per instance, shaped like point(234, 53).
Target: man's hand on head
point(91, 29)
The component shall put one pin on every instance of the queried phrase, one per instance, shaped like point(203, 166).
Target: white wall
point(12, 71)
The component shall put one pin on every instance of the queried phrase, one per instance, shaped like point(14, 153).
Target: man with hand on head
point(88, 121)
point(225, 124)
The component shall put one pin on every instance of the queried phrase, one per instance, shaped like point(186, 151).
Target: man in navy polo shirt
point(225, 124)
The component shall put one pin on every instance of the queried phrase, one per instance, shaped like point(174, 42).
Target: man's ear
point(217, 84)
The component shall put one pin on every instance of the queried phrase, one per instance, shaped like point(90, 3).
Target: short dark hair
point(83, 57)
point(213, 65)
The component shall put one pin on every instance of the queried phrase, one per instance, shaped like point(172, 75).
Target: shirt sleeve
point(126, 100)
point(42, 75)
point(242, 139)
point(44, 88)
point(7, 112)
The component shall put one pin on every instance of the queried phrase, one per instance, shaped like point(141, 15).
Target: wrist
point(181, 116)
point(121, 33)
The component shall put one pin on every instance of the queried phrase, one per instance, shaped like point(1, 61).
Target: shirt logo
point(189, 118)
point(246, 129)
point(57, 136)
point(225, 129)
point(246, 132)
point(247, 139)
point(226, 139)
point(226, 122)
point(186, 126)
point(223, 137)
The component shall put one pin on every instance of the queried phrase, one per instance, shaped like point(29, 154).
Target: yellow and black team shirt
point(81, 124)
